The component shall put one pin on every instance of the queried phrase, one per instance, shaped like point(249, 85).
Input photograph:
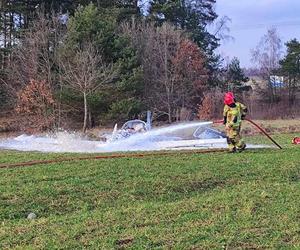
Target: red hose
point(102, 157)
point(264, 132)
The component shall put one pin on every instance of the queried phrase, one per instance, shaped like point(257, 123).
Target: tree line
point(93, 62)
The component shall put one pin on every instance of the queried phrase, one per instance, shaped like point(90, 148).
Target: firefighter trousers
point(234, 139)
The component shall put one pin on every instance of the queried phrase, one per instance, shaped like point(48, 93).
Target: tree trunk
point(4, 39)
point(169, 113)
point(177, 115)
point(166, 80)
point(136, 6)
point(90, 119)
point(59, 106)
point(85, 112)
point(290, 92)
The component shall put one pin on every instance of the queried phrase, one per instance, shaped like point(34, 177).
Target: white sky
point(252, 18)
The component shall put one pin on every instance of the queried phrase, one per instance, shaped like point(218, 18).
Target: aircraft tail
point(149, 120)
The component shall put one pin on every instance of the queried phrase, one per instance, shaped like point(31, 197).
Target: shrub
point(36, 104)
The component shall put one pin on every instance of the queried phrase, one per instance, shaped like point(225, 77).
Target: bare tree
point(266, 56)
point(35, 56)
point(85, 71)
point(221, 29)
point(157, 47)
point(173, 67)
point(190, 76)
point(159, 51)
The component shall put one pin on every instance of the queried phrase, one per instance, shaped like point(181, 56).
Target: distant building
point(277, 81)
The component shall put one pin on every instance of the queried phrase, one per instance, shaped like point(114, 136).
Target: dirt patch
point(122, 243)
point(195, 186)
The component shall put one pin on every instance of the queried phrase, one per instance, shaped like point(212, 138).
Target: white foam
point(157, 139)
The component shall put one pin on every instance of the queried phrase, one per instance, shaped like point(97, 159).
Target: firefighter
point(234, 113)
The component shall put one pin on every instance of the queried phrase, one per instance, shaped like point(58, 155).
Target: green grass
point(214, 201)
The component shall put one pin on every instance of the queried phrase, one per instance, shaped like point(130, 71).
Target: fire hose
point(259, 128)
point(103, 157)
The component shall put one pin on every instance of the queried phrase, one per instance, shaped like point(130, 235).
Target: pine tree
point(192, 16)
point(290, 67)
point(235, 75)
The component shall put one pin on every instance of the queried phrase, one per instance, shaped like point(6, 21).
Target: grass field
point(214, 201)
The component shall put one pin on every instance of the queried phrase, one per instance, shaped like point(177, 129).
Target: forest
point(81, 64)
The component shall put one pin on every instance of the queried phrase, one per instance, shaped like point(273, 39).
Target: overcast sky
point(252, 18)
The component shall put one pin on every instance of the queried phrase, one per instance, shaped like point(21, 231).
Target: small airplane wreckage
point(130, 128)
point(179, 136)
